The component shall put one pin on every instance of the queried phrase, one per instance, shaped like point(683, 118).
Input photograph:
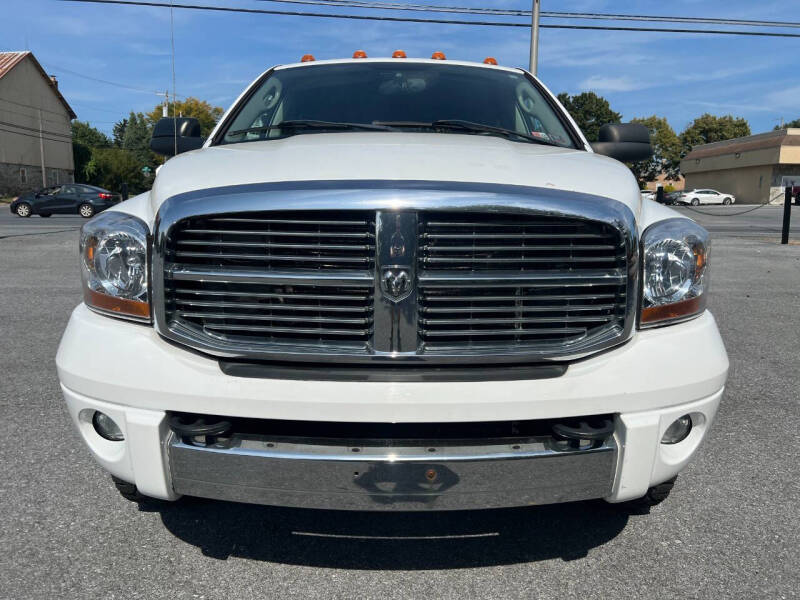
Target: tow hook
point(582, 433)
point(197, 430)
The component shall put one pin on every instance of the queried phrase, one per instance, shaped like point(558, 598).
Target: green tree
point(84, 139)
point(110, 167)
point(136, 139)
point(118, 132)
point(708, 128)
point(789, 125)
point(191, 107)
point(666, 157)
point(590, 112)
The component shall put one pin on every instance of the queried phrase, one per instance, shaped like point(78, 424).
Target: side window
point(68, 189)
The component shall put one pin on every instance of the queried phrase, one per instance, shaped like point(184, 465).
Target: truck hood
point(396, 156)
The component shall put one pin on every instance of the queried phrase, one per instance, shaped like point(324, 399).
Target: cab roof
point(430, 61)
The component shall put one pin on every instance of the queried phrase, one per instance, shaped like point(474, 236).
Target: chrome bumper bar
point(447, 477)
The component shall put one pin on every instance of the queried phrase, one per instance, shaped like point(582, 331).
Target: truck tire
point(129, 491)
point(655, 495)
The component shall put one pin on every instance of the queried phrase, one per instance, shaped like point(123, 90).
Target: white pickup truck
point(393, 284)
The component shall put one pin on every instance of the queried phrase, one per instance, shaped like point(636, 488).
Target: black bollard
point(787, 215)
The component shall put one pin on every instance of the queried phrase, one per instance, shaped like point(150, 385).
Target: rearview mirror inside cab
point(167, 143)
point(626, 142)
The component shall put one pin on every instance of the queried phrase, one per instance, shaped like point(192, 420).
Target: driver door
point(66, 200)
point(46, 199)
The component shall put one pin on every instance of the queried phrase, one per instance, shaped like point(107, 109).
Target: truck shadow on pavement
point(392, 540)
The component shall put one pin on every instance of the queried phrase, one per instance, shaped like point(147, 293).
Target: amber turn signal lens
point(359, 54)
point(438, 56)
point(489, 61)
point(676, 310)
point(399, 54)
point(120, 306)
point(308, 58)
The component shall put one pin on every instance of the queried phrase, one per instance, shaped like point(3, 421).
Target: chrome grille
point(273, 278)
point(399, 272)
point(544, 281)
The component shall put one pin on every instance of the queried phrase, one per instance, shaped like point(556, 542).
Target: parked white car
point(706, 196)
point(392, 284)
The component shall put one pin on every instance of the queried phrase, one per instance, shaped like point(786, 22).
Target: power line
point(34, 117)
point(106, 81)
point(36, 137)
point(527, 13)
point(438, 21)
point(36, 129)
point(55, 112)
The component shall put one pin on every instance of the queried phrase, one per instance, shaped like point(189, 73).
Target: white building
point(35, 130)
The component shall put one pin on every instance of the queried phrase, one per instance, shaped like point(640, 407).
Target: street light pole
point(534, 37)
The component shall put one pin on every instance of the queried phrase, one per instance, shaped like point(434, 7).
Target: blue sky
point(679, 76)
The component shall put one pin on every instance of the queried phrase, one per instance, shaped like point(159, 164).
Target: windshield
point(383, 96)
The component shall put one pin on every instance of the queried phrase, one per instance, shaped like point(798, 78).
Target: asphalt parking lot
point(731, 528)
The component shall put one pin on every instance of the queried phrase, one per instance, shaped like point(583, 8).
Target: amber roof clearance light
point(438, 56)
point(308, 58)
point(489, 60)
point(359, 54)
point(399, 54)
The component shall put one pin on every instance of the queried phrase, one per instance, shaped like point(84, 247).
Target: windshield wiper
point(467, 126)
point(310, 124)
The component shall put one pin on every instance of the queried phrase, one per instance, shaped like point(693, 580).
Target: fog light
point(106, 427)
point(678, 431)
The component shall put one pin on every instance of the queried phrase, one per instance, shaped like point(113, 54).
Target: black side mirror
point(167, 143)
point(627, 142)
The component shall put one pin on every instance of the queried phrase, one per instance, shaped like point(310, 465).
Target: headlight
point(675, 277)
point(114, 265)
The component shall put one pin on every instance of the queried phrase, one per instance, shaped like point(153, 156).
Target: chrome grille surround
point(396, 330)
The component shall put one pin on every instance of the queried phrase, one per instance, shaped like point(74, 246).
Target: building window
point(23, 175)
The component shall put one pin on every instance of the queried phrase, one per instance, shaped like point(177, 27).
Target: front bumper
point(400, 478)
point(136, 378)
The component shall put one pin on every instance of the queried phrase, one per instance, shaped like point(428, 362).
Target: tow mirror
point(173, 136)
point(626, 142)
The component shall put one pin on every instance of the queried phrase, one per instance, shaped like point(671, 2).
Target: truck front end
point(395, 285)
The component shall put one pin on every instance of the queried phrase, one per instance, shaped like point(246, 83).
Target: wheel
point(655, 495)
point(726, 201)
point(128, 490)
point(86, 211)
point(24, 210)
point(44, 215)
point(695, 202)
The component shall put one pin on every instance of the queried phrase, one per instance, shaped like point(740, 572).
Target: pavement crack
point(15, 235)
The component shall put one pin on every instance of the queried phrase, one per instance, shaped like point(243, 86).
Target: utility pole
point(41, 150)
point(534, 62)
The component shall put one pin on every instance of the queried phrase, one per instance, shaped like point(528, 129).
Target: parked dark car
point(672, 197)
point(66, 199)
